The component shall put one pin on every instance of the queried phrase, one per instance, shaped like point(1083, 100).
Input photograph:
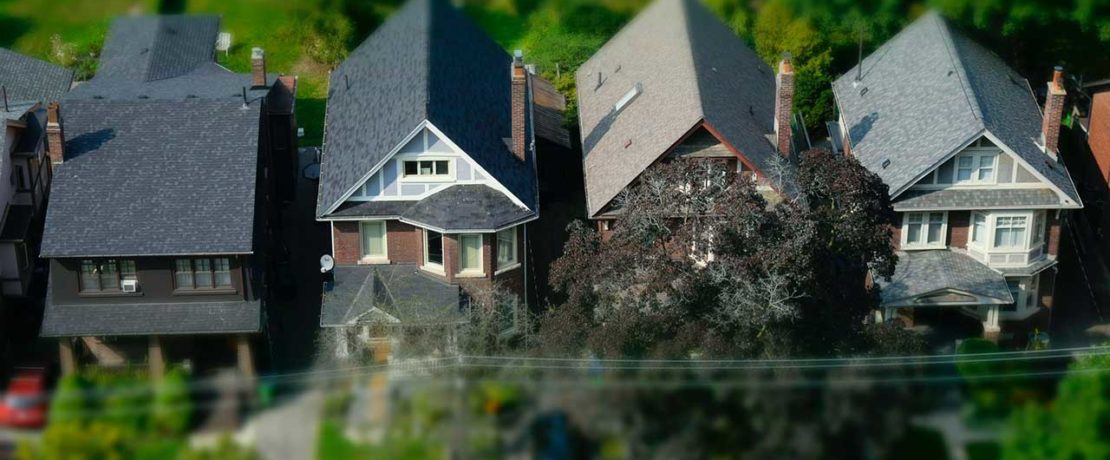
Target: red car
point(24, 404)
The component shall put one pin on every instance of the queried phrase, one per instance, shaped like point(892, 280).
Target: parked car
point(24, 403)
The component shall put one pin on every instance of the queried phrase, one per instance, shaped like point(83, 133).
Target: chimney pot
point(519, 94)
point(55, 138)
point(258, 68)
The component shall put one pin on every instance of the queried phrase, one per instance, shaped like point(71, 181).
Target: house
point(163, 208)
point(27, 86)
point(677, 83)
point(975, 178)
point(428, 174)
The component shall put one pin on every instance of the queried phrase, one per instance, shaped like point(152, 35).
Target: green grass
point(333, 444)
point(28, 25)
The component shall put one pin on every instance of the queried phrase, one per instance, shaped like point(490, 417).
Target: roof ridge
point(958, 65)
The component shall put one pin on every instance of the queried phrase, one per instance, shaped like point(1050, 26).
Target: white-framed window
point(507, 249)
point(433, 249)
point(1038, 227)
point(975, 168)
point(373, 241)
point(978, 229)
point(1010, 232)
point(426, 169)
point(470, 253)
point(924, 230)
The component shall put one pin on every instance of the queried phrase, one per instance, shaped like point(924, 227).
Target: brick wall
point(958, 228)
point(405, 243)
point(1052, 224)
point(346, 248)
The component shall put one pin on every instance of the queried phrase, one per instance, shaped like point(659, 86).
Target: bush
point(226, 449)
point(70, 403)
point(125, 401)
point(65, 441)
point(172, 407)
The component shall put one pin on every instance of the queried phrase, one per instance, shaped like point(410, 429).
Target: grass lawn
point(28, 25)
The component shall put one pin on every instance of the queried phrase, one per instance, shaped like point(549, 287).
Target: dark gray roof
point(149, 177)
point(930, 91)
point(20, 112)
point(1028, 270)
point(691, 68)
point(165, 57)
point(29, 79)
point(399, 291)
point(456, 208)
point(953, 198)
point(427, 62)
point(151, 318)
point(924, 272)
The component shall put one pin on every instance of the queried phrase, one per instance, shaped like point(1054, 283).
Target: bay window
point(470, 253)
point(1009, 232)
point(978, 229)
point(506, 249)
point(924, 230)
point(433, 248)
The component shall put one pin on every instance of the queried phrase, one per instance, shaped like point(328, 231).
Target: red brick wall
point(405, 243)
point(346, 248)
point(958, 228)
point(1099, 134)
point(1052, 223)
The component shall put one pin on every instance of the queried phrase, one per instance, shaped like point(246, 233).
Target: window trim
point(1025, 246)
point(100, 289)
point(478, 271)
point(365, 258)
point(452, 171)
point(515, 262)
point(194, 290)
point(428, 265)
point(925, 224)
point(987, 234)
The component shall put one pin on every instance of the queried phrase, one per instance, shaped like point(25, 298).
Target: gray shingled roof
point(691, 67)
point(149, 177)
point(928, 92)
point(400, 291)
point(924, 272)
point(165, 57)
point(151, 318)
point(29, 79)
point(427, 62)
point(954, 198)
point(456, 208)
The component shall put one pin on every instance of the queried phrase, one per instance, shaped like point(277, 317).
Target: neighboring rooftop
point(147, 177)
point(393, 294)
point(427, 62)
point(924, 273)
point(930, 91)
point(119, 319)
point(28, 79)
point(690, 67)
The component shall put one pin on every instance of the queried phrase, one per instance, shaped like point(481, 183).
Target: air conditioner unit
point(130, 285)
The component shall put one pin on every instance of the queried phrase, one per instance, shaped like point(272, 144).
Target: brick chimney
point(55, 138)
point(258, 68)
point(519, 104)
point(784, 104)
point(1053, 112)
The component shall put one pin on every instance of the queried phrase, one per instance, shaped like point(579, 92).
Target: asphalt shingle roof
point(954, 198)
point(400, 291)
point(149, 177)
point(923, 272)
point(691, 67)
point(456, 208)
point(150, 318)
point(29, 79)
point(928, 92)
point(427, 62)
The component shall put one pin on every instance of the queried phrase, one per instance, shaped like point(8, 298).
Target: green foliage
point(329, 34)
point(70, 403)
point(172, 406)
point(124, 400)
point(919, 444)
point(1075, 425)
point(225, 449)
point(66, 441)
point(778, 30)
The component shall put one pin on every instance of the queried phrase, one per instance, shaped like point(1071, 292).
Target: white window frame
point(1025, 245)
point(925, 224)
point(365, 258)
point(514, 262)
point(449, 177)
point(976, 157)
point(976, 239)
point(480, 270)
point(429, 265)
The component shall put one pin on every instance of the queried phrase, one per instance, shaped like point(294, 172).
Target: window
point(433, 248)
point(470, 253)
point(965, 165)
point(1009, 232)
point(978, 228)
point(925, 230)
point(1038, 228)
point(427, 168)
point(986, 168)
point(202, 273)
point(105, 274)
point(373, 240)
point(506, 248)
point(972, 168)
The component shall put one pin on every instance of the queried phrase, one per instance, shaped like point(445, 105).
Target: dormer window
point(427, 169)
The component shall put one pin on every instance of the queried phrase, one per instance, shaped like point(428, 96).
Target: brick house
point(428, 173)
point(27, 87)
point(677, 83)
point(162, 211)
point(974, 176)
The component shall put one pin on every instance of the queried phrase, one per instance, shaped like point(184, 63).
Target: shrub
point(65, 441)
point(70, 403)
point(172, 407)
point(226, 449)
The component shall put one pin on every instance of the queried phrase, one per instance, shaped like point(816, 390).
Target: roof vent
point(143, 96)
point(863, 91)
point(618, 68)
point(886, 163)
point(628, 97)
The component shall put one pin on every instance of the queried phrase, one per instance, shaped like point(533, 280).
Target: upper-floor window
point(1010, 232)
point(924, 230)
point(506, 248)
point(427, 169)
point(202, 273)
point(99, 275)
point(978, 228)
point(975, 168)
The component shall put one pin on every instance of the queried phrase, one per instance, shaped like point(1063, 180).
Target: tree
point(698, 262)
point(69, 403)
point(172, 407)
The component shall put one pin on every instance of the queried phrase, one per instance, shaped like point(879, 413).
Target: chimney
point(1053, 112)
point(55, 139)
point(519, 104)
point(258, 68)
point(784, 104)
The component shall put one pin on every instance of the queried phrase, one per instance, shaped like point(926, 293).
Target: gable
point(427, 163)
point(984, 165)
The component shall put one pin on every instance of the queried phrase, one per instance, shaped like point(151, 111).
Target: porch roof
point(942, 277)
point(390, 293)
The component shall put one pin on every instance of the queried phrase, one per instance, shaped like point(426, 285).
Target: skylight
point(628, 97)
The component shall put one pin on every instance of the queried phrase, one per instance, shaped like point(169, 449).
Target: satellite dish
point(326, 263)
